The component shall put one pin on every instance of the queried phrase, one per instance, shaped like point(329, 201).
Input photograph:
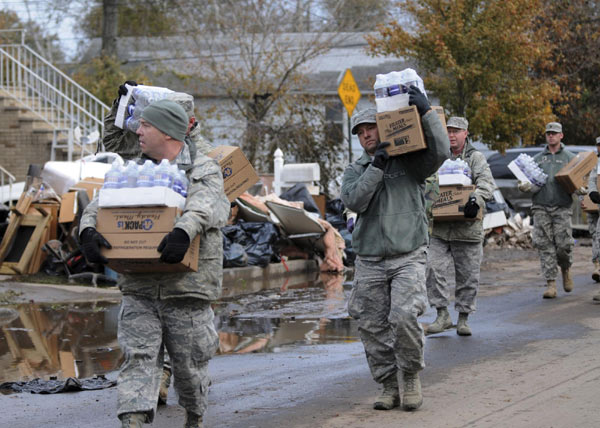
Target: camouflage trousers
point(552, 238)
point(465, 257)
point(593, 228)
point(184, 326)
point(388, 295)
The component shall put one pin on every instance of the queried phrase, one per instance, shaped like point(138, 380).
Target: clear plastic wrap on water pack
point(454, 172)
point(142, 96)
point(391, 89)
point(146, 175)
point(531, 170)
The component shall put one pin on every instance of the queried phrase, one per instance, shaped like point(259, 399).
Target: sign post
point(349, 94)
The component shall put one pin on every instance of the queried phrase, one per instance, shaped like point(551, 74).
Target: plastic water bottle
point(409, 77)
point(129, 176)
point(381, 92)
point(111, 178)
point(163, 175)
point(184, 183)
point(146, 176)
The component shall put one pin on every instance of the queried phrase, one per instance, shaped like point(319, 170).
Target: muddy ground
point(530, 363)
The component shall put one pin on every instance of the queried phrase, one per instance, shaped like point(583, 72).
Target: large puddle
point(80, 339)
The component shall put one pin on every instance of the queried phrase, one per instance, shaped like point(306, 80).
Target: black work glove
point(471, 208)
point(418, 99)
point(381, 155)
point(91, 240)
point(595, 197)
point(123, 88)
point(173, 246)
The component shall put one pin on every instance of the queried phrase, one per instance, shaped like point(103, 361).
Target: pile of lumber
point(516, 234)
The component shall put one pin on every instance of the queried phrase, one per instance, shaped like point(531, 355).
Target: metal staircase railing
point(73, 114)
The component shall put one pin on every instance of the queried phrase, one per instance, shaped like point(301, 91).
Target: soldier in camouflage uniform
point(125, 142)
point(551, 210)
point(459, 243)
point(390, 238)
point(170, 309)
point(593, 220)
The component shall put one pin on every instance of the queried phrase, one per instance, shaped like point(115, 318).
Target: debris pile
point(515, 234)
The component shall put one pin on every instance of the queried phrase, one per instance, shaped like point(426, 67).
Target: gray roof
point(167, 59)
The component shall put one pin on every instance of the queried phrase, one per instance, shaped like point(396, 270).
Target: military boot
point(192, 420)
point(165, 381)
point(462, 328)
point(412, 397)
point(390, 397)
point(567, 280)
point(550, 292)
point(132, 420)
point(596, 274)
point(441, 323)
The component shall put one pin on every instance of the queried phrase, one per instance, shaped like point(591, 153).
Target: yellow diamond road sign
point(349, 92)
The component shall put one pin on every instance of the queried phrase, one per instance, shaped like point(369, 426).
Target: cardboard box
point(588, 206)
point(140, 197)
point(402, 128)
point(238, 174)
point(450, 205)
point(575, 174)
point(90, 184)
point(454, 179)
point(134, 233)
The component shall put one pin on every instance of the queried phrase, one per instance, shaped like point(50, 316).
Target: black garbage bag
point(261, 248)
point(257, 239)
point(234, 254)
point(54, 386)
point(349, 251)
point(300, 193)
point(335, 213)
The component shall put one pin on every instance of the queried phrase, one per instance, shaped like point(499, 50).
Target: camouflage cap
point(184, 100)
point(553, 127)
point(458, 122)
point(597, 140)
point(364, 116)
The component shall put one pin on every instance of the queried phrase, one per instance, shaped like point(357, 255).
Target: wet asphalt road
point(302, 386)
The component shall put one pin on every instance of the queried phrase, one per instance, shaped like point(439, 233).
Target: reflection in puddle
point(80, 339)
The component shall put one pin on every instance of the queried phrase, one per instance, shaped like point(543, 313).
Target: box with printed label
point(140, 197)
point(574, 175)
point(238, 174)
point(134, 234)
point(450, 204)
point(402, 128)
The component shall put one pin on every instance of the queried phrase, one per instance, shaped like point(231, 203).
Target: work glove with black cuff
point(595, 197)
point(381, 156)
point(123, 88)
point(419, 100)
point(174, 246)
point(91, 240)
point(471, 208)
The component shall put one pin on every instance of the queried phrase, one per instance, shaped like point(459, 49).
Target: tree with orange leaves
point(477, 57)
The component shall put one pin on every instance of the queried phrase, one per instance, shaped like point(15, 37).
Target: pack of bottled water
point(453, 172)
point(391, 89)
point(143, 96)
point(530, 170)
point(147, 175)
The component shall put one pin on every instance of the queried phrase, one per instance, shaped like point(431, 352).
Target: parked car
point(507, 183)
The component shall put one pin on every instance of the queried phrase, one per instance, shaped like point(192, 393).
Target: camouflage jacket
point(125, 142)
point(464, 230)
point(391, 203)
point(553, 193)
point(206, 211)
point(432, 192)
